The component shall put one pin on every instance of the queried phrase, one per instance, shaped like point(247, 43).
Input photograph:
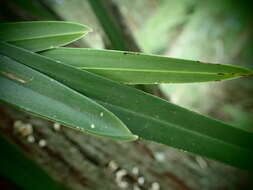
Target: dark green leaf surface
point(114, 33)
point(38, 94)
point(41, 35)
point(150, 117)
point(35, 8)
point(137, 68)
point(22, 171)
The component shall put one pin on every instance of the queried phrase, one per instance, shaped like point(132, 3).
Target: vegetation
point(64, 89)
point(91, 90)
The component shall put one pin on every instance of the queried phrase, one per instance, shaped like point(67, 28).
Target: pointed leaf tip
point(46, 97)
point(139, 68)
point(42, 35)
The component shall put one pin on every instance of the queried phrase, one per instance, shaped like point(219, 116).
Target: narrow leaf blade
point(138, 68)
point(150, 117)
point(41, 35)
point(38, 94)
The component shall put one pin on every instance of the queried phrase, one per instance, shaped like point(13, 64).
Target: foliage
point(53, 86)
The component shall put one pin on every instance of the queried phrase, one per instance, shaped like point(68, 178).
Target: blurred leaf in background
point(79, 11)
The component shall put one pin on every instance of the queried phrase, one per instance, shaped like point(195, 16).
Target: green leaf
point(38, 94)
point(150, 117)
point(34, 8)
point(41, 35)
point(138, 68)
point(17, 167)
point(112, 31)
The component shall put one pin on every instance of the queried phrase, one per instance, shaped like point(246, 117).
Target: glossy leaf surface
point(150, 117)
point(41, 95)
point(138, 68)
point(41, 35)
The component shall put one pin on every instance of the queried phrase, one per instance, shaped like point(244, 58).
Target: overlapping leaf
point(147, 116)
point(138, 68)
point(127, 67)
point(39, 94)
point(41, 35)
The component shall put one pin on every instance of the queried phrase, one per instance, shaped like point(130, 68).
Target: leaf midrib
point(173, 125)
point(154, 71)
point(48, 36)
